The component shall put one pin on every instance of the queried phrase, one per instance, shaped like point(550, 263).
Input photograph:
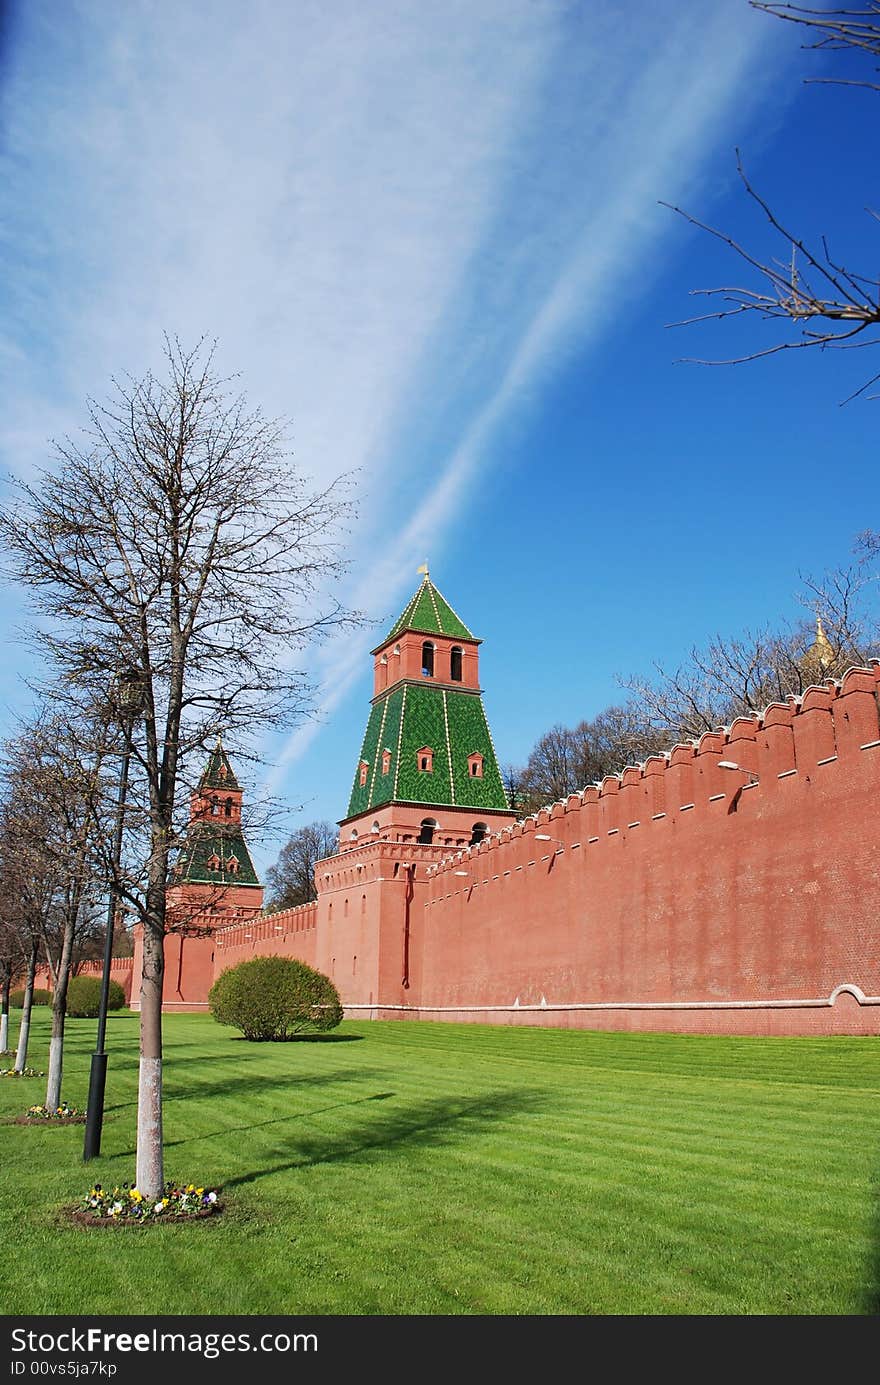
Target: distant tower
point(819, 660)
point(427, 771)
point(213, 884)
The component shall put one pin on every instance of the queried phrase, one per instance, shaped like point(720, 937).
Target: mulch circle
point(50, 1120)
point(76, 1214)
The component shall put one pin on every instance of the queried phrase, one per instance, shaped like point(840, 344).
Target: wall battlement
point(832, 725)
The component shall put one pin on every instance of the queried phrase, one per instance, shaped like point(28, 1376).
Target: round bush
point(84, 997)
point(275, 998)
point(16, 998)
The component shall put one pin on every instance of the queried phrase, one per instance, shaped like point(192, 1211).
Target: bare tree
point(25, 901)
point(10, 964)
point(736, 676)
point(52, 769)
point(291, 880)
point(827, 303)
point(178, 544)
point(565, 759)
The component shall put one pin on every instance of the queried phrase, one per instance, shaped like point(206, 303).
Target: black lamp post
point(129, 693)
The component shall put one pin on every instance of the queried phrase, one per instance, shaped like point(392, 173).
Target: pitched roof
point(411, 717)
point(429, 613)
point(224, 843)
point(218, 773)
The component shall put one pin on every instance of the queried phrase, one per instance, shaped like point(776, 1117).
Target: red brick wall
point(678, 896)
point(290, 933)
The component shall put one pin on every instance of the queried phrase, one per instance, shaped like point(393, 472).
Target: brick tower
point(213, 885)
point(426, 783)
point(427, 770)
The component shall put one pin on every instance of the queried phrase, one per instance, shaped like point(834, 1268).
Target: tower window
point(364, 770)
point(427, 659)
point(215, 807)
point(214, 862)
point(478, 832)
point(425, 760)
point(455, 658)
point(475, 766)
point(232, 865)
point(428, 828)
point(227, 808)
point(386, 761)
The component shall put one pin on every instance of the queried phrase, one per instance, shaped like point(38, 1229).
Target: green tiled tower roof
point(217, 839)
point(430, 614)
point(452, 723)
point(210, 840)
point(218, 771)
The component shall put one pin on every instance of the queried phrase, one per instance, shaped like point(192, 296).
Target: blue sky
point(431, 236)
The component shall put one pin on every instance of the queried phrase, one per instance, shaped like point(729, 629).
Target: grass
point(415, 1168)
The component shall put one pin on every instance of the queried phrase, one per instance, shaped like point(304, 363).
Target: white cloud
point(398, 218)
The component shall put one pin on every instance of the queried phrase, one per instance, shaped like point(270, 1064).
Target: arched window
point(354, 833)
point(455, 658)
point(214, 862)
point(425, 760)
point(478, 832)
point(232, 865)
point(215, 807)
point(428, 828)
point(362, 776)
point(427, 659)
point(386, 761)
point(227, 808)
point(475, 766)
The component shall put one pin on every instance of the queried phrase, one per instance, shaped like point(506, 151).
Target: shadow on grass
point(188, 1089)
point(184, 1085)
point(871, 1300)
point(296, 1116)
point(436, 1122)
point(301, 1039)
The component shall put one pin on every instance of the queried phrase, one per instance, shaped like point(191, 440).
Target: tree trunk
point(4, 1009)
point(150, 1175)
point(24, 1031)
point(59, 1011)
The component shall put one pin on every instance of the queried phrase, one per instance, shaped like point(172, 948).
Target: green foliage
point(16, 998)
point(275, 998)
point(84, 997)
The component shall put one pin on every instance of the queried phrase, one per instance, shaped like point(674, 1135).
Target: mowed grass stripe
point(432, 1168)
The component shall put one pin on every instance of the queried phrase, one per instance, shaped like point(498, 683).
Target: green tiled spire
point(218, 771)
point(215, 851)
point(430, 614)
point(416, 716)
point(208, 842)
point(451, 724)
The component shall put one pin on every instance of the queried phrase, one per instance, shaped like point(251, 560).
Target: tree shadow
point(437, 1122)
point(282, 1083)
point(871, 1298)
point(301, 1039)
point(278, 1120)
point(185, 1085)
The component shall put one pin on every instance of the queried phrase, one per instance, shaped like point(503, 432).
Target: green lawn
point(405, 1168)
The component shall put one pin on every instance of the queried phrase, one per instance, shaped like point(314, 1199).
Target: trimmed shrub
point(275, 998)
point(84, 997)
point(16, 998)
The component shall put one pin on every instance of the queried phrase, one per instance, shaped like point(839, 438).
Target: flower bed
point(25, 1072)
point(44, 1115)
point(127, 1206)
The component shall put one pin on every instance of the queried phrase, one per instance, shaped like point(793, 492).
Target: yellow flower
point(199, 1192)
point(136, 1196)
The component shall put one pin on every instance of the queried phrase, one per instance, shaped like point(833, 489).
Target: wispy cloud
point(398, 218)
